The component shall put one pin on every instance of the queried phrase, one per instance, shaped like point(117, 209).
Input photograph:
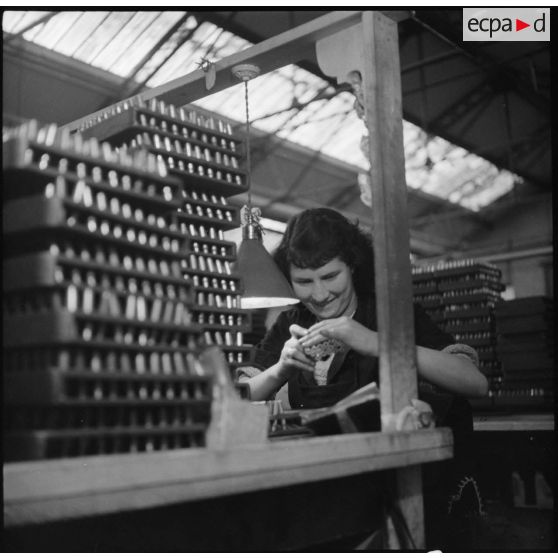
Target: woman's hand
point(344, 329)
point(292, 356)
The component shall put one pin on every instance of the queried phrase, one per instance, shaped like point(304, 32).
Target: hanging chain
point(248, 164)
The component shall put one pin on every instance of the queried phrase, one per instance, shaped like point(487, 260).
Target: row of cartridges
point(162, 110)
point(184, 147)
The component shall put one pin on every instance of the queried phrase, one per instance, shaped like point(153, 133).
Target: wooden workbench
point(54, 490)
point(280, 496)
point(160, 489)
point(513, 422)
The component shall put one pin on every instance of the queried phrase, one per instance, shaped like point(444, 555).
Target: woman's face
point(328, 292)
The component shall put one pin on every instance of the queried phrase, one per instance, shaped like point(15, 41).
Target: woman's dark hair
point(316, 236)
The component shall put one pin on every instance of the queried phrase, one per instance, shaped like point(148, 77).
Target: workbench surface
point(54, 490)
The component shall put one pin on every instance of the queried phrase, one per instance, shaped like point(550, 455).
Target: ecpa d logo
point(506, 24)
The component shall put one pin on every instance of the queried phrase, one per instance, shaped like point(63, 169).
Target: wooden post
point(371, 50)
point(383, 109)
point(382, 98)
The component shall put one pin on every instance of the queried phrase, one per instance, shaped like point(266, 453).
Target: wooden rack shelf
point(517, 422)
point(47, 491)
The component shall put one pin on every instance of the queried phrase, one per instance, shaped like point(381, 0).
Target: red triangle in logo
point(519, 25)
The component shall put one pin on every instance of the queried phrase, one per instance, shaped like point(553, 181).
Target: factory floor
point(518, 508)
point(507, 528)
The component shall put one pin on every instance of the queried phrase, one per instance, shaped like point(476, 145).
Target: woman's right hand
point(292, 356)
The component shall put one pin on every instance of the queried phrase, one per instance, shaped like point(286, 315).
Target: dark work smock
point(347, 372)
point(351, 371)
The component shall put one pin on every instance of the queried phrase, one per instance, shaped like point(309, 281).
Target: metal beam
point(343, 196)
point(537, 153)
point(21, 32)
point(435, 23)
point(475, 115)
point(519, 145)
point(520, 254)
point(476, 72)
point(420, 64)
point(462, 106)
point(431, 218)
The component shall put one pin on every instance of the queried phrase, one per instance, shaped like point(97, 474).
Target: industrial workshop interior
point(277, 281)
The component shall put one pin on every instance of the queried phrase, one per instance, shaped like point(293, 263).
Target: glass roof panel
point(51, 33)
point(281, 102)
point(15, 21)
point(141, 37)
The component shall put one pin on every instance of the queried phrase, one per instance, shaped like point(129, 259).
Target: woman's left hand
point(344, 329)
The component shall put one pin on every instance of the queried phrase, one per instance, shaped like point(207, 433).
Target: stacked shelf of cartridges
point(460, 296)
point(101, 352)
point(206, 158)
point(525, 346)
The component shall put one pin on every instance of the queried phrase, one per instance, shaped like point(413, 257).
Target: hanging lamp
point(264, 284)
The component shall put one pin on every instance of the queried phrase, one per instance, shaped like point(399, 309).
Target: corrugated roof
point(153, 47)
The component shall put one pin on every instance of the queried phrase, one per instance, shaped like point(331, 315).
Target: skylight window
point(281, 102)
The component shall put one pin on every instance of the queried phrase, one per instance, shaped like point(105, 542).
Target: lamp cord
point(248, 164)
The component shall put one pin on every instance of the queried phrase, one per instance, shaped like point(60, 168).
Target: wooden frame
point(379, 65)
point(62, 489)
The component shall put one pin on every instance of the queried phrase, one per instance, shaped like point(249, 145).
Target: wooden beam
point(52, 490)
point(384, 120)
point(382, 96)
point(278, 51)
point(370, 50)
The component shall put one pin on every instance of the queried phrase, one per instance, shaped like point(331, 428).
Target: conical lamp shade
point(264, 284)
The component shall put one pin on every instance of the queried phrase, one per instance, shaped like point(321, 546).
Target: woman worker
point(329, 263)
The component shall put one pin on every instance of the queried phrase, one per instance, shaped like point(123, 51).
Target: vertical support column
point(371, 49)
point(382, 100)
point(383, 109)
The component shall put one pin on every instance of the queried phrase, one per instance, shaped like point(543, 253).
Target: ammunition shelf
point(207, 221)
point(218, 290)
point(53, 444)
point(448, 298)
point(53, 385)
point(62, 327)
point(521, 399)
point(117, 123)
point(476, 342)
point(222, 257)
point(16, 163)
point(470, 284)
point(479, 312)
point(429, 304)
point(227, 244)
point(28, 216)
point(121, 128)
point(458, 271)
point(38, 270)
point(464, 328)
point(239, 171)
point(425, 289)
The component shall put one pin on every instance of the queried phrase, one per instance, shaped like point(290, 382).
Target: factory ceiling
point(477, 126)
